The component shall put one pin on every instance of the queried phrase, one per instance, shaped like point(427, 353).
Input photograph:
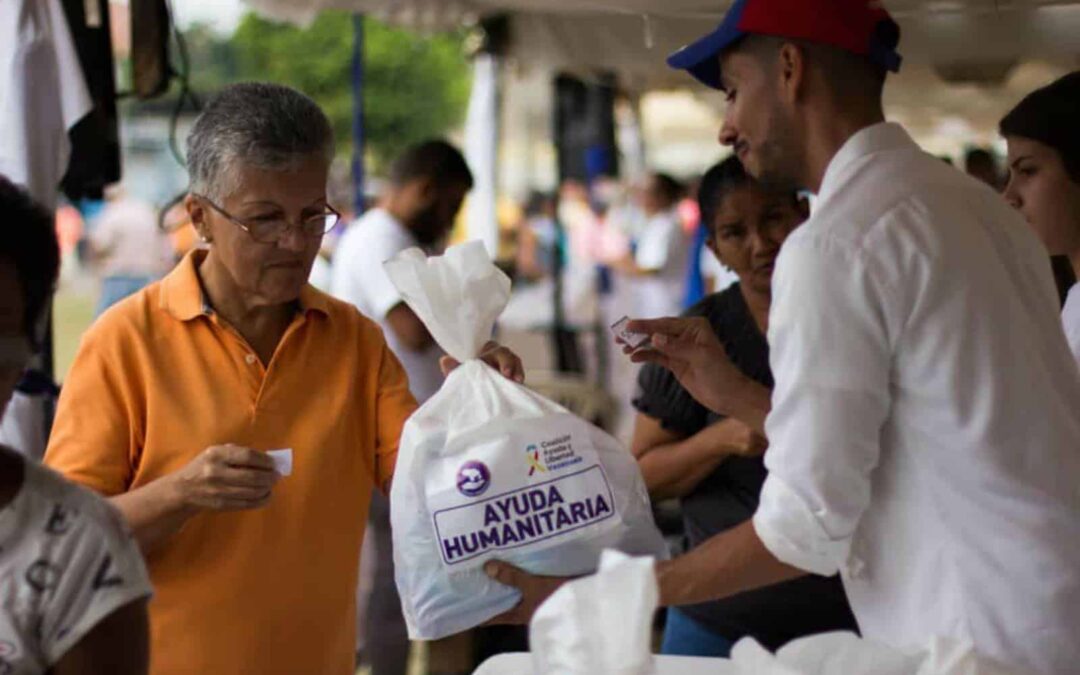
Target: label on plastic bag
point(529, 485)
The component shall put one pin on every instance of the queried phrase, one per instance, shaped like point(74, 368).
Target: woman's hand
point(227, 478)
point(740, 440)
point(495, 355)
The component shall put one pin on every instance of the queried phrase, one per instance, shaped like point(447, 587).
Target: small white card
point(631, 339)
point(282, 461)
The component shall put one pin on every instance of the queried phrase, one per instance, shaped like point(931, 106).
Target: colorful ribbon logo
point(532, 455)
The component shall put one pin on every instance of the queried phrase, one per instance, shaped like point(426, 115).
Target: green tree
point(415, 87)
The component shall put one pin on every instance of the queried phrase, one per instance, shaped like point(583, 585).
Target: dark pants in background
point(383, 635)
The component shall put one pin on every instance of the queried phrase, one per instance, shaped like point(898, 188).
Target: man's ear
point(426, 190)
point(196, 211)
point(791, 70)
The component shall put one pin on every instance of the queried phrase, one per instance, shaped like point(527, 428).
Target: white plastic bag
point(600, 623)
point(488, 469)
point(842, 653)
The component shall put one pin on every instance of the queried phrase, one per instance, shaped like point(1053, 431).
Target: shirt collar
point(875, 138)
point(182, 294)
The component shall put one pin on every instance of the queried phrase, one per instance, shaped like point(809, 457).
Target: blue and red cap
point(861, 27)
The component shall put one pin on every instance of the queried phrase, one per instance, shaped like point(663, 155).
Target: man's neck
point(827, 133)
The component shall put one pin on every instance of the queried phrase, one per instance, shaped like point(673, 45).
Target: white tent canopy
point(966, 61)
point(965, 39)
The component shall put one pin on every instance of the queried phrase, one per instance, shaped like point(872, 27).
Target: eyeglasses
point(271, 230)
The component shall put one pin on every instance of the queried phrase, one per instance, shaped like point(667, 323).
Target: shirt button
point(250, 358)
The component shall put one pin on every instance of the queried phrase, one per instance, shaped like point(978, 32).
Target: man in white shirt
point(924, 435)
point(73, 587)
point(427, 185)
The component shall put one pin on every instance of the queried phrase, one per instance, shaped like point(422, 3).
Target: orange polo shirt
point(158, 379)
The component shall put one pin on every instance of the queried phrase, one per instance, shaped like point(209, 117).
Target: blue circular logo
point(473, 479)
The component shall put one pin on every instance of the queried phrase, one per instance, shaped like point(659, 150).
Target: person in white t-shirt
point(73, 587)
point(924, 440)
point(1043, 133)
point(427, 185)
point(127, 247)
point(659, 263)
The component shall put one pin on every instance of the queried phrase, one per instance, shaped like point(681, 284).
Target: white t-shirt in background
point(358, 277)
point(662, 246)
point(66, 563)
point(132, 244)
point(1070, 316)
point(713, 270)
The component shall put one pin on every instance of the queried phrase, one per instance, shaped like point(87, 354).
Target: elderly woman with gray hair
point(178, 393)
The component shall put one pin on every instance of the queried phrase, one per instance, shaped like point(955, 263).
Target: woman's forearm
point(674, 469)
point(154, 512)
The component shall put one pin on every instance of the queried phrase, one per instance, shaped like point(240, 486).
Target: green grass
point(73, 312)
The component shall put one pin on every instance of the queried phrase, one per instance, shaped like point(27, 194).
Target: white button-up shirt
point(1070, 316)
point(925, 433)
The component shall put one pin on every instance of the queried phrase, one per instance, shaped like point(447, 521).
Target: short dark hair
point(29, 243)
point(434, 159)
point(668, 187)
point(850, 75)
point(980, 156)
point(1051, 115)
point(537, 202)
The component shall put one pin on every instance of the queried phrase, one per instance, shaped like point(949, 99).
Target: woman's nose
point(1012, 195)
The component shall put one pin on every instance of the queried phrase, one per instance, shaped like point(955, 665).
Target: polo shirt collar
point(880, 137)
point(182, 294)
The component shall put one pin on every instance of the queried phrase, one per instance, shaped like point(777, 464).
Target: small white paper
point(633, 340)
point(282, 461)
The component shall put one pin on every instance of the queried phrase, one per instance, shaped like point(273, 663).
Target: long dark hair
point(718, 182)
point(1051, 115)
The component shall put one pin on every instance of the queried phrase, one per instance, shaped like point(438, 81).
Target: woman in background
point(712, 464)
point(1043, 133)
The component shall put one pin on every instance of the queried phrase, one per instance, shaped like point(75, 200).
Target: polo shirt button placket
point(250, 359)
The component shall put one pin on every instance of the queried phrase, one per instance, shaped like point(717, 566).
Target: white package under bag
point(488, 469)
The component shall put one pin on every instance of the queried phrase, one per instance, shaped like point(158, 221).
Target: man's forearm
point(750, 404)
point(154, 512)
point(729, 563)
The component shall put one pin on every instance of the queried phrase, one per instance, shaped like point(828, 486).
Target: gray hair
point(259, 124)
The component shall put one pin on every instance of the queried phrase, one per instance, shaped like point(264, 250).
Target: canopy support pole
point(358, 114)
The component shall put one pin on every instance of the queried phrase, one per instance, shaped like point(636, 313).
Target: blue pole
point(358, 112)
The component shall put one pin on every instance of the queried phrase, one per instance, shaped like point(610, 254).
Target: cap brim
point(702, 58)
